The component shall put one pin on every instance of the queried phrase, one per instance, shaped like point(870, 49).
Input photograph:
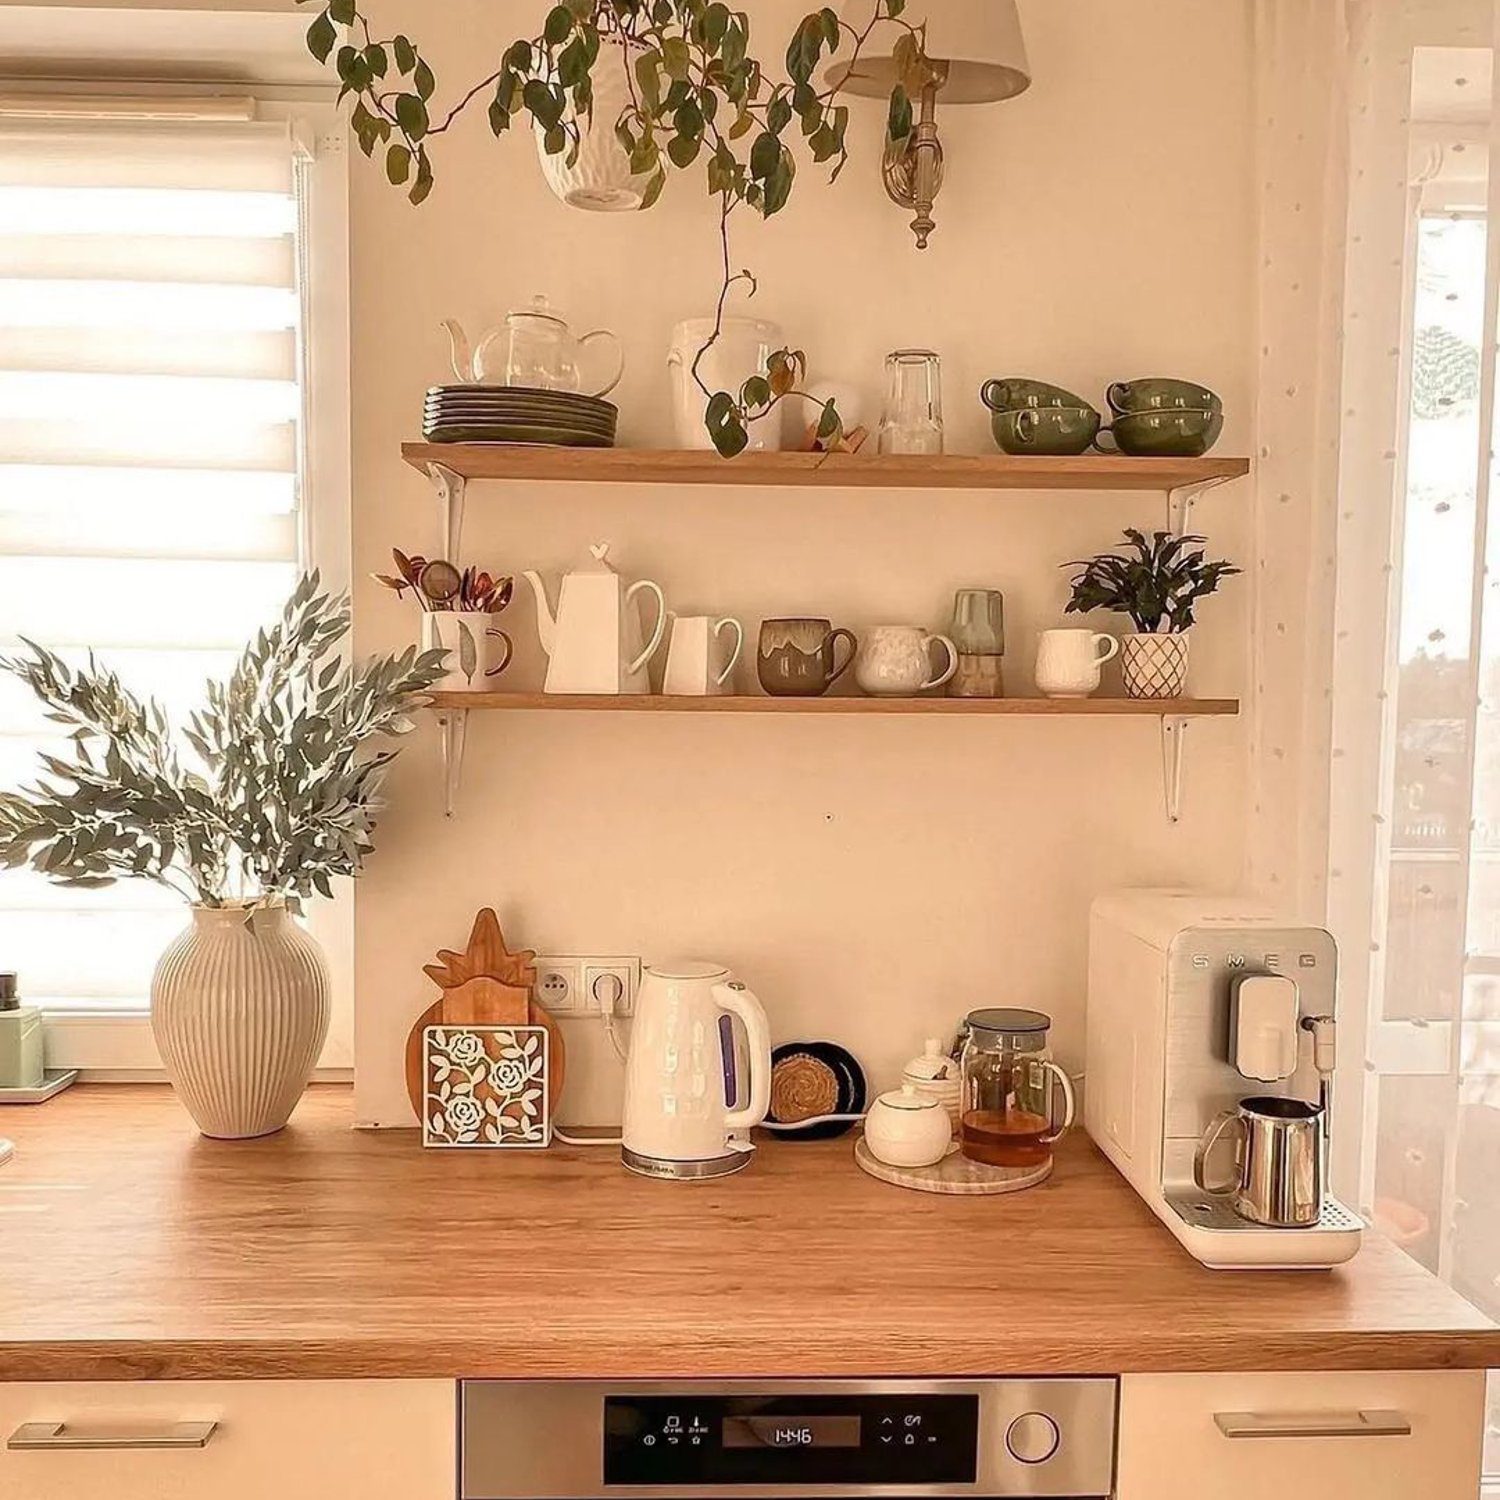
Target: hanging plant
point(697, 94)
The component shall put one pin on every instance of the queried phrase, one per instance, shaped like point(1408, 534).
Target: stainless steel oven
point(687, 1440)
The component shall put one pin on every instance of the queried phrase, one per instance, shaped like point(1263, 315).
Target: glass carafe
point(1009, 1090)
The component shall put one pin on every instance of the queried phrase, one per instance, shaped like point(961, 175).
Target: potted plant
point(278, 796)
point(457, 608)
point(1157, 583)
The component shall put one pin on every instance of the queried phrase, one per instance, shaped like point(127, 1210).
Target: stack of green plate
point(517, 414)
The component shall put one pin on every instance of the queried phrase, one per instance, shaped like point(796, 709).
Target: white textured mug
point(692, 671)
point(1068, 662)
point(895, 661)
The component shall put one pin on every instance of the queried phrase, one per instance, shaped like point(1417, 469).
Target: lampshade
point(979, 40)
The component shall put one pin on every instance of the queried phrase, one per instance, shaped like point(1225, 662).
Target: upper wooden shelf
point(948, 471)
point(659, 703)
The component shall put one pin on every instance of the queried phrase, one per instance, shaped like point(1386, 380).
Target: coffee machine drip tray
point(1202, 1210)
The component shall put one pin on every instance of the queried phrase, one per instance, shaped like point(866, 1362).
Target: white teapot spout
point(460, 351)
point(546, 621)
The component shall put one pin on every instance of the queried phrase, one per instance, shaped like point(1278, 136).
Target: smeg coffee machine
point(1196, 1004)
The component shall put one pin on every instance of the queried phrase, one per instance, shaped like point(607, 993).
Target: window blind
point(150, 409)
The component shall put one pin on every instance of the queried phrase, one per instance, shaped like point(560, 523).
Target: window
point(165, 343)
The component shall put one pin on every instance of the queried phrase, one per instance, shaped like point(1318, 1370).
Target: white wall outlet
point(559, 983)
point(573, 985)
point(600, 972)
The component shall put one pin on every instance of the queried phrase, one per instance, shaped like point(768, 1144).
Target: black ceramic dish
point(846, 1077)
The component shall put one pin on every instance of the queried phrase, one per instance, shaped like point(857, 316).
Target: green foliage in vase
point(1155, 582)
point(288, 787)
point(698, 96)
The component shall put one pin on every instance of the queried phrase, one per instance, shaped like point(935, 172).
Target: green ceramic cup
point(1052, 430)
point(1175, 433)
point(1159, 394)
point(1016, 394)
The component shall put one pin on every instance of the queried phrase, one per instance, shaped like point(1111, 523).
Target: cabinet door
point(1292, 1436)
point(274, 1440)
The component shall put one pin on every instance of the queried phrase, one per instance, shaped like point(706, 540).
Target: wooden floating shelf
point(948, 471)
point(1154, 708)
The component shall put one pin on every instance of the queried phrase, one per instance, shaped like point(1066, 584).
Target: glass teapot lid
point(985, 1025)
point(538, 317)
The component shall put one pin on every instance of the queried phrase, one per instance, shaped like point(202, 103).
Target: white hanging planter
point(1154, 666)
point(599, 178)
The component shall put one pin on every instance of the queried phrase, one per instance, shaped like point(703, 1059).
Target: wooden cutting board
point(486, 985)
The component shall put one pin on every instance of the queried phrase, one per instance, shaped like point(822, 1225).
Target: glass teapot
point(534, 348)
point(1008, 1087)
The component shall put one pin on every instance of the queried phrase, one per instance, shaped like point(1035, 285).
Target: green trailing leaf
point(411, 115)
point(898, 120)
point(397, 164)
point(321, 36)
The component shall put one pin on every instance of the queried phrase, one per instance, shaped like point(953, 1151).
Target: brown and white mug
point(796, 656)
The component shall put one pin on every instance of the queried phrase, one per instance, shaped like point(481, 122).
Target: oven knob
point(1032, 1437)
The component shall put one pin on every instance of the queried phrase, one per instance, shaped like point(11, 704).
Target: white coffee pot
point(594, 641)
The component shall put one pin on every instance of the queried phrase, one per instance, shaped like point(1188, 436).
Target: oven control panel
point(787, 1439)
point(791, 1439)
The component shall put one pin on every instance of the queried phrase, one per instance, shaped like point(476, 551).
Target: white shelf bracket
point(453, 725)
point(450, 497)
point(1173, 738)
point(1180, 502)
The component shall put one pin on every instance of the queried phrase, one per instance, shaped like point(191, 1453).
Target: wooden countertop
point(131, 1247)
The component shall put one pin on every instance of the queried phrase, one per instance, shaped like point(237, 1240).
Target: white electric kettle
point(685, 1091)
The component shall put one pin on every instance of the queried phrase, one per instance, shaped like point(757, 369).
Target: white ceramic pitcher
point(593, 642)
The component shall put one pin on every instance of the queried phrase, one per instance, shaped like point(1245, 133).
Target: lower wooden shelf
point(1156, 708)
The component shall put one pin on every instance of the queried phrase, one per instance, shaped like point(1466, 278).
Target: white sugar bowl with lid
point(905, 1129)
point(935, 1075)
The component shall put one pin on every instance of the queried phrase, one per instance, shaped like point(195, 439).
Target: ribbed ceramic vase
point(239, 1008)
point(1154, 666)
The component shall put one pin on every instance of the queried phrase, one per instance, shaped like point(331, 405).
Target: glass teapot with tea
point(1009, 1088)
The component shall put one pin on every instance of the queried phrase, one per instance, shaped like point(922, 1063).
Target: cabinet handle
point(1312, 1424)
point(56, 1436)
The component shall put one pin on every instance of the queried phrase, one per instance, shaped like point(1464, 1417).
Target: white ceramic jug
point(593, 642)
point(684, 1101)
point(693, 656)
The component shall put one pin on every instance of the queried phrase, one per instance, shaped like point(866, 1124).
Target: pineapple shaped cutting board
point(485, 985)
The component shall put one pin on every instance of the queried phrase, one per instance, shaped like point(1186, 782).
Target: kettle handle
point(661, 621)
point(735, 998)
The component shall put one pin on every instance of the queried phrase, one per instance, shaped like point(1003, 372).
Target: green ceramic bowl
point(1049, 430)
point(1161, 395)
point(1175, 433)
point(1016, 394)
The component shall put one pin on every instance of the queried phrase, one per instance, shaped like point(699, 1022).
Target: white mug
point(895, 661)
point(1068, 661)
point(691, 668)
point(477, 649)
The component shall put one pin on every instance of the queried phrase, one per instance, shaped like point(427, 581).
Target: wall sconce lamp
point(978, 56)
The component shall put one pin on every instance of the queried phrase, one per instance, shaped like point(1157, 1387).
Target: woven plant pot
point(1154, 666)
point(239, 1009)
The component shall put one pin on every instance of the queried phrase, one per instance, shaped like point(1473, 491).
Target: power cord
point(607, 991)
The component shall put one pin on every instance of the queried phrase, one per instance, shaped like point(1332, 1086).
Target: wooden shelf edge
point(976, 471)
point(1155, 708)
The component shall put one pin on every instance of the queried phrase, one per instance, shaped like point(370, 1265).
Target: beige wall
point(871, 880)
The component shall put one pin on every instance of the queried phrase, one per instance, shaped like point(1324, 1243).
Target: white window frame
point(121, 1048)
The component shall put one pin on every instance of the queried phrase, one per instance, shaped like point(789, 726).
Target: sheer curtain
point(1377, 705)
